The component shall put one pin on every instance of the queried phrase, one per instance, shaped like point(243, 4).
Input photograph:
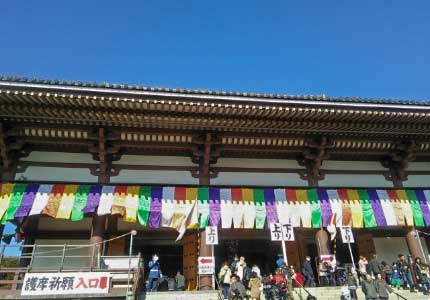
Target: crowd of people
point(238, 280)
point(379, 278)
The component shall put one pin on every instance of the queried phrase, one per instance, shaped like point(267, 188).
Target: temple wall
point(418, 181)
point(64, 157)
point(258, 179)
point(257, 163)
point(56, 174)
point(161, 177)
point(156, 160)
point(388, 249)
point(352, 165)
point(52, 224)
point(224, 178)
point(345, 180)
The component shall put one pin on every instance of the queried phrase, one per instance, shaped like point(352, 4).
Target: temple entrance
point(259, 250)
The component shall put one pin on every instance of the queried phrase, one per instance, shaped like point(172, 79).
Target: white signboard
point(206, 265)
point(346, 233)
point(43, 284)
point(211, 235)
point(281, 232)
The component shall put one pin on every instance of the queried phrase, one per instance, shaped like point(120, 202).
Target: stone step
point(333, 293)
point(323, 293)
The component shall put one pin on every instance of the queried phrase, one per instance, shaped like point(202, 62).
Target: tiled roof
point(72, 84)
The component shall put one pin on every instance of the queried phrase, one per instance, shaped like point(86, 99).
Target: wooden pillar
point(205, 282)
point(414, 244)
point(204, 160)
point(411, 237)
point(323, 243)
point(98, 230)
point(99, 223)
point(314, 153)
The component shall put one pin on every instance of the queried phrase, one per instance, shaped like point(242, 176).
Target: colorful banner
point(190, 207)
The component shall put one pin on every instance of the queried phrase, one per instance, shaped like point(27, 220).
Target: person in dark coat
point(422, 275)
point(368, 286)
point(375, 266)
point(154, 271)
point(352, 282)
point(405, 273)
point(382, 288)
point(308, 272)
point(237, 289)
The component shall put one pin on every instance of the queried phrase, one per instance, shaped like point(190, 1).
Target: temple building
point(86, 162)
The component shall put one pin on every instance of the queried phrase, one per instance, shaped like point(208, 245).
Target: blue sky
point(361, 48)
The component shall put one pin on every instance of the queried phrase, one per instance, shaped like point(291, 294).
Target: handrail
point(399, 296)
point(219, 289)
point(302, 287)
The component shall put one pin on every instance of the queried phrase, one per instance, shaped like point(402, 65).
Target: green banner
point(368, 215)
point(260, 209)
point(80, 202)
point(144, 205)
point(15, 202)
point(203, 206)
point(315, 208)
point(416, 209)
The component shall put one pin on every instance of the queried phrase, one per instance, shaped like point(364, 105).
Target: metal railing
point(32, 255)
point(301, 287)
point(125, 270)
point(219, 289)
point(399, 296)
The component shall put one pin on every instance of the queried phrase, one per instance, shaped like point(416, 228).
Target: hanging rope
point(422, 232)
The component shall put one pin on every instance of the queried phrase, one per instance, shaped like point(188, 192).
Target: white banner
point(281, 232)
point(42, 284)
point(211, 235)
point(347, 236)
point(206, 265)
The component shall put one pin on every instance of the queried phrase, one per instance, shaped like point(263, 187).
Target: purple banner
point(271, 212)
point(93, 199)
point(424, 206)
point(27, 201)
point(325, 206)
point(378, 212)
point(214, 206)
point(155, 211)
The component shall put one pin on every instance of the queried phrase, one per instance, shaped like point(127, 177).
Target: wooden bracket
point(315, 152)
point(105, 154)
point(397, 161)
point(10, 153)
point(204, 153)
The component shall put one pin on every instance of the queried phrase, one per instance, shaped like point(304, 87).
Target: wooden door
point(366, 246)
point(293, 254)
point(190, 260)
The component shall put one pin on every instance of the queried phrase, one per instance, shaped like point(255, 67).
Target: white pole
point(284, 252)
point(213, 275)
point(130, 251)
point(352, 257)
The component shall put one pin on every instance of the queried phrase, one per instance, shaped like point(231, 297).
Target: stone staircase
point(322, 293)
point(333, 293)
